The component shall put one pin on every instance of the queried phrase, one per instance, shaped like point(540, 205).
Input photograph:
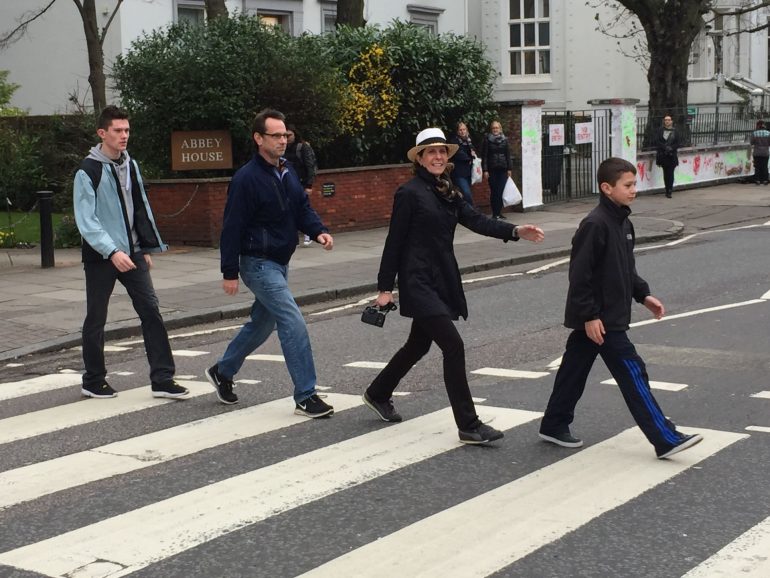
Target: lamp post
point(716, 38)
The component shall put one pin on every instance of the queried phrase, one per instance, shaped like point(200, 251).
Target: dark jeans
point(760, 170)
point(497, 179)
point(426, 330)
point(464, 184)
point(100, 281)
point(629, 372)
point(668, 176)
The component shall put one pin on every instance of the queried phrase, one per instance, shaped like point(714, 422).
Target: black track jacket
point(602, 271)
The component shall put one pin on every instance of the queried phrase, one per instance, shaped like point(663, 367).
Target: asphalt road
point(352, 496)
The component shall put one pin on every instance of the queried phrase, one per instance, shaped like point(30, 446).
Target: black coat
point(602, 270)
point(666, 148)
point(419, 248)
point(496, 154)
point(463, 158)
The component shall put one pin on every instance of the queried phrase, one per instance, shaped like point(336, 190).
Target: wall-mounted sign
point(327, 189)
point(584, 132)
point(200, 150)
point(555, 135)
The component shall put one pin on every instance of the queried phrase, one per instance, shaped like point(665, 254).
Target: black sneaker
point(384, 409)
point(563, 439)
point(170, 389)
point(482, 434)
point(101, 390)
point(223, 386)
point(313, 406)
point(685, 443)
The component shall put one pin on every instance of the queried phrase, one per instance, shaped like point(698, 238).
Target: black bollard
point(44, 199)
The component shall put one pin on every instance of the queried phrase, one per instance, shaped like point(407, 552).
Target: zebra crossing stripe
point(38, 384)
point(746, 556)
point(513, 373)
point(662, 385)
point(81, 412)
point(526, 514)
point(37, 480)
point(134, 540)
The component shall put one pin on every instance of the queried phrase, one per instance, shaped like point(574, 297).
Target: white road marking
point(36, 480)
point(265, 357)
point(14, 365)
point(512, 373)
point(115, 348)
point(766, 296)
point(185, 377)
point(68, 371)
point(747, 556)
point(367, 364)
point(526, 514)
point(479, 399)
point(758, 428)
point(364, 301)
point(762, 394)
point(401, 393)
point(491, 277)
point(188, 353)
point(548, 266)
point(698, 312)
point(132, 373)
point(248, 381)
point(189, 334)
point(87, 411)
point(323, 387)
point(664, 385)
point(555, 363)
point(39, 384)
point(125, 543)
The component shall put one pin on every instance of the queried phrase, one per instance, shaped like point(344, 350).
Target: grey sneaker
point(313, 406)
point(223, 386)
point(99, 391)
point(384, 409)
point(563, 439)
point(483, 434)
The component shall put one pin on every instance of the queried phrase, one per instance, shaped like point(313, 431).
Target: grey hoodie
point(124, 178)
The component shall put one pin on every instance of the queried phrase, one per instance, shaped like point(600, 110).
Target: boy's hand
point(595, 331)
point(655, 306)
point(530, 233)
point(325, 240)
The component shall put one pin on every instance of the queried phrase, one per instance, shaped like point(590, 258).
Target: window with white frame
point(425, 16)
point(191, 11)
point(529, 27)
point(328, 20)
point(282, 20)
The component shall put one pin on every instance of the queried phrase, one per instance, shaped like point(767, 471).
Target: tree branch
point(103, 35)
point(26, 19)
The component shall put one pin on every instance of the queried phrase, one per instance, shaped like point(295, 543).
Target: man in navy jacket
point(266, 205)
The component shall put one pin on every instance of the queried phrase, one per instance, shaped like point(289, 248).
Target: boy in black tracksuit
point(602, 282)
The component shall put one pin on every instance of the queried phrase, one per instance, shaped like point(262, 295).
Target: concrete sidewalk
point(43, 309)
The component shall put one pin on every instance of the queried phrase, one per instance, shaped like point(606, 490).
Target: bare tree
point(215, 9)
point(350, 13)
point(94, 42)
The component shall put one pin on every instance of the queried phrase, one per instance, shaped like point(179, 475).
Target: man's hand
point(595, 331)
point(655, 306)
point(530, 233)
point(230, 286)
point(122, 262)
point(148, 260)
point(326, 241)
point(384, 298)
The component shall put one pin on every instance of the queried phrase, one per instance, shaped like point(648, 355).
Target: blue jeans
point(464, 184)
point(273, 305)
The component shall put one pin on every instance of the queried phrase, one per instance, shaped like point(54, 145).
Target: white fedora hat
point(431, 137)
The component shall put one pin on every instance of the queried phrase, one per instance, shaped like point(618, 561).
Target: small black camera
point(376, 315)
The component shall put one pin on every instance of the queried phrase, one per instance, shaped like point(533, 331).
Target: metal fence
point(700, 125)
point(569, 169)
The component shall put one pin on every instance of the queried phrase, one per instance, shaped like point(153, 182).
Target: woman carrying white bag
point(465, 162)
point(511, 194)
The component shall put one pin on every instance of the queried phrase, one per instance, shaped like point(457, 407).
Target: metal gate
point(574, 144)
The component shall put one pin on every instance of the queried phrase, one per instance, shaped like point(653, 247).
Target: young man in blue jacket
point(266, 206)
point(114, 218)
point(602, 282)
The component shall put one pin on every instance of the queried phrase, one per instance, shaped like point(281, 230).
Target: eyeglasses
point(276, 135)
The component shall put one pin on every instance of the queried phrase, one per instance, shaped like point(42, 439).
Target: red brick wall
point(190, 211)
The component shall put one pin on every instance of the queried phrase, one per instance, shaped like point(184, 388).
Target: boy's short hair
point(109, 114)
point(611, 170)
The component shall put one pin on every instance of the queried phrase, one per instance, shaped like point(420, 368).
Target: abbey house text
point(200, 150)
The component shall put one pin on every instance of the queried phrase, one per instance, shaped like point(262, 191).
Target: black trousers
point(100, 282)
point(760, 170)
point(497, 180)
point(668, 176)
point(426, 330)
point(629, 372)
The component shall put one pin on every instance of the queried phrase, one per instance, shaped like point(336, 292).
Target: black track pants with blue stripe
point(629, 372)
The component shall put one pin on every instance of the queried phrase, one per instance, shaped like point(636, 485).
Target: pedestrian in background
point(760, 150)
point(266, 206)
point(602, 282)
point(463, 161)
point(497, 164)
point(419, 251)
point(114, 218)
point(302, 158)
point(667, 144)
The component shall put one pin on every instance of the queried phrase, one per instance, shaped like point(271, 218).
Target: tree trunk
point(350, 13)
point(215, 9)
point(96, 77)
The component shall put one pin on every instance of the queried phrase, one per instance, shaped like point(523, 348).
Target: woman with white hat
point(419, 251)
